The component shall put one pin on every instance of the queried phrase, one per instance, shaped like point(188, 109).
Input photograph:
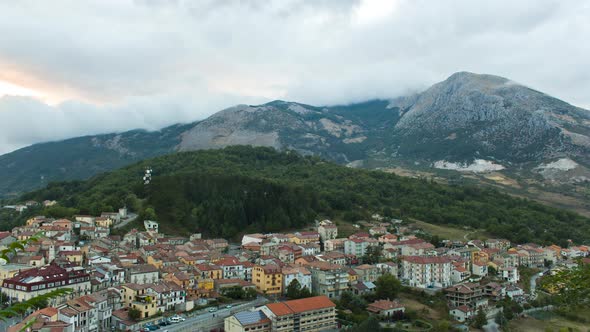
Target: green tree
point(370, 324)
point(305, 292)
point(150, 214)
point(372, 255)
point(134, 314)
point(388, 287)
point(251, 293)
point(572, 286)
point(294, 289)
point(480, 319)
point(442, 326)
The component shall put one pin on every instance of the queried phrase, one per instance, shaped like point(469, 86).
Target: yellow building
point(480, 257)
point(268, 279)
point(9, 270)
point(208, 271)
point(105, 222)
point(157, 262)
point(304, 237)
point(74, 256)
point(207, 284)
point(136, 296)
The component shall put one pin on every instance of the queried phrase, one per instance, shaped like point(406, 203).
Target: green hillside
point(236, 189)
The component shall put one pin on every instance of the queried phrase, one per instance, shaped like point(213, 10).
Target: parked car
point(229, 306)
point(152, 327)
point(178, 318)
point(212, 309)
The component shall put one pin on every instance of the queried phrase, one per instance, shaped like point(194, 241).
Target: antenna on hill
point(147, 177)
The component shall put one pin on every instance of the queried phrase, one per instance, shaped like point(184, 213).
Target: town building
point(328, 279)
point(268, 279)
point(426, 272)
point(387, 309)
point(244, 321)
point(37, 281)
point(311, 314)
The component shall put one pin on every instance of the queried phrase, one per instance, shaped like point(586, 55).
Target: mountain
point(472, 123)
point(225, 192)
point(472, 116)
point(82, 157)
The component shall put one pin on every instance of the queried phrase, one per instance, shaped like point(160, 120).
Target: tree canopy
point(240, 188)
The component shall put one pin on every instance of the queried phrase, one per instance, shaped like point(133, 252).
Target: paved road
point(534, 283)
point(492, 326)
point(130, 218)
point(545, 308)
point(467, 234)
point(206, 320)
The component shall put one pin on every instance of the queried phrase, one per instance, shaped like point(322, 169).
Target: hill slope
point(468, 122)
point(223, 192)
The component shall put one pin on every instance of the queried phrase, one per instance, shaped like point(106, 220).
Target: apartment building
point(310, 314)
point(268, 279)
point(328, 279)
point(426, 272)
point(358, 246)
point(30, 283)
point(467, 294)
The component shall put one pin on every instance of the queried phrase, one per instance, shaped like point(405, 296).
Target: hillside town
point(145, 280)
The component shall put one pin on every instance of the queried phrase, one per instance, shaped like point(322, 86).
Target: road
point(534, 283)
point(467, 234)
point(205, 321)
point(130, 218)
point(492, 326)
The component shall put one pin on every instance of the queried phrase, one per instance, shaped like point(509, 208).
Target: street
point(534, 283)
point(206, 321)
point(130, 218)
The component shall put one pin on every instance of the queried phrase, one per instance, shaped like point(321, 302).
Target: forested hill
point(246, 189)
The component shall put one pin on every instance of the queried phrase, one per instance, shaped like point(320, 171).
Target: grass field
point(551, 321)
point(554, 324)
point(425, 311)
point(450, 233)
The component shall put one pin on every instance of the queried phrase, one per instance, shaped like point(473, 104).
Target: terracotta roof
point(301, 305)
point(380, 305)
point(464, 309)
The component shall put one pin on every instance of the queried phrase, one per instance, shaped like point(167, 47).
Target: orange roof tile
point(301, 305)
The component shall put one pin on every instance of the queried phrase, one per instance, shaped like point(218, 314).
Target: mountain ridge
point(465, 119)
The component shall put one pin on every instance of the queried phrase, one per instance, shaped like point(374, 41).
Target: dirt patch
point(424, 310)
point(530, 324)
point(501, 179)
point(449, 232)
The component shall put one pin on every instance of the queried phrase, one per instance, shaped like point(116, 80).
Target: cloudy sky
point(70, 68)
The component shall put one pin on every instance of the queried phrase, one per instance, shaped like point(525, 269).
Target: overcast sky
point(70, 68)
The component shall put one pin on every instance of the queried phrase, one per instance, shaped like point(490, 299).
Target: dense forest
point(236, 189)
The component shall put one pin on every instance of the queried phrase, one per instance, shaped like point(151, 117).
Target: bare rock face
point(281, 125)
point(233, 126)
point(470, 116)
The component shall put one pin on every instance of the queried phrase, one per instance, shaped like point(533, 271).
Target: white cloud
point(151, 63)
